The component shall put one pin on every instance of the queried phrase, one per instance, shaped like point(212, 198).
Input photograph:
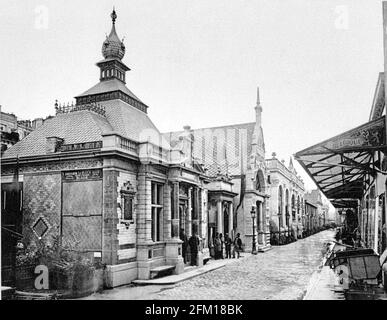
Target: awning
point(339, 166)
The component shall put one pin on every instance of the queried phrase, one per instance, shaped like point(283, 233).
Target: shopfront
point(348, 169)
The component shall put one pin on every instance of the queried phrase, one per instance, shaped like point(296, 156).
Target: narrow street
point(284, 272)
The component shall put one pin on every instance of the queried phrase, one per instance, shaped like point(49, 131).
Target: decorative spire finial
point(114, 16)
point(258, 100)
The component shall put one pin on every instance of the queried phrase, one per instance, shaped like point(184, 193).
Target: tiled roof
point(73, 127)
point(86, 126)
point(220, 147)
point(131, 122)
point(109, 86)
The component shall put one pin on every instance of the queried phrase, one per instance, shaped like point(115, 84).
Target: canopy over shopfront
point(343, 167)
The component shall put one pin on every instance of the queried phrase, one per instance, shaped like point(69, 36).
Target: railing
point(93, 106)
point(151, 150)
point(128, 144)
point(115, 141)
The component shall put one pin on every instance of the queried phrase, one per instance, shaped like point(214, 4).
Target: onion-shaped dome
point(113, 47)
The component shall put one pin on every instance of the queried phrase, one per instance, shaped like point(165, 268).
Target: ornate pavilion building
point(100, 176)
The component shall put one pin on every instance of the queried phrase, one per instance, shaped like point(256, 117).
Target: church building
point(234, 159)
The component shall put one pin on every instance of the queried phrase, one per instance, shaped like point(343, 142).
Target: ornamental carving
point(53, 166)
point(82, 175)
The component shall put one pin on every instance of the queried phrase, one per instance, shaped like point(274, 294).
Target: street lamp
point(253, 216)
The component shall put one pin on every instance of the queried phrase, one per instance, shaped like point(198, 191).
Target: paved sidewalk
point(192, 272)
point(151, 288)
point(323, 286)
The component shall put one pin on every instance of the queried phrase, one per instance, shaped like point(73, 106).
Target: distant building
point(14, 130)
point(286, 191)
point(315, 197)
point(310, 218)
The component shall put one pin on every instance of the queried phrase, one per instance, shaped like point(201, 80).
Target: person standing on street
point(194, 243)
point(237, 245)
point(221, 245)
point(227, 243)
point(218, 246)
point(184, 238)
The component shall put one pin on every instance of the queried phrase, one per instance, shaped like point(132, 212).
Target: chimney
point(53, 144)
point(36, 123)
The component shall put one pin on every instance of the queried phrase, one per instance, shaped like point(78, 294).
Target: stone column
point(200, 213)
point(260, 216)
point(167, 212)
point(284, 210)
point(376, 223)
point(173, 250)
point(195, 220)
point(219, 216)
point(175, 218)
point(260, 222)
point(189, 214)
point(230, 219)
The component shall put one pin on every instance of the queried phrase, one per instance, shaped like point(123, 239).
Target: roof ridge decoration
point(92, 106)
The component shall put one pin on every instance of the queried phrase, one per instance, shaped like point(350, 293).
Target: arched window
point(298, 206)
point(293, 207)
point(260, 181)
point(287, 206)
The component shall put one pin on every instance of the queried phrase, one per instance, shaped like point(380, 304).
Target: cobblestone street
point(284, 272)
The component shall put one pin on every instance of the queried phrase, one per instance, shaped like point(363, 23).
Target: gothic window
point(156, 211)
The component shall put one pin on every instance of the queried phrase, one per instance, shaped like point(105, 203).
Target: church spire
point(258, 110)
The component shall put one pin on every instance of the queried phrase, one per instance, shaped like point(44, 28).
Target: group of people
point(231, 247)
point(194, 244)
point(227, 244)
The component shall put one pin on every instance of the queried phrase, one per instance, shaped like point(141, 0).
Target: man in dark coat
point(194, 243)
point(184, 238)
point(237, 245)
point(227, 244)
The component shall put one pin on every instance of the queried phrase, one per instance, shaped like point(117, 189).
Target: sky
point(199, 62)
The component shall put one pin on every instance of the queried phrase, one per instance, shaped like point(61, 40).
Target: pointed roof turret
point(113, 47)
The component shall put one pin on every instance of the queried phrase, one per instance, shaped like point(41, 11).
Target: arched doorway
point(260, 187)
point(225, 219)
